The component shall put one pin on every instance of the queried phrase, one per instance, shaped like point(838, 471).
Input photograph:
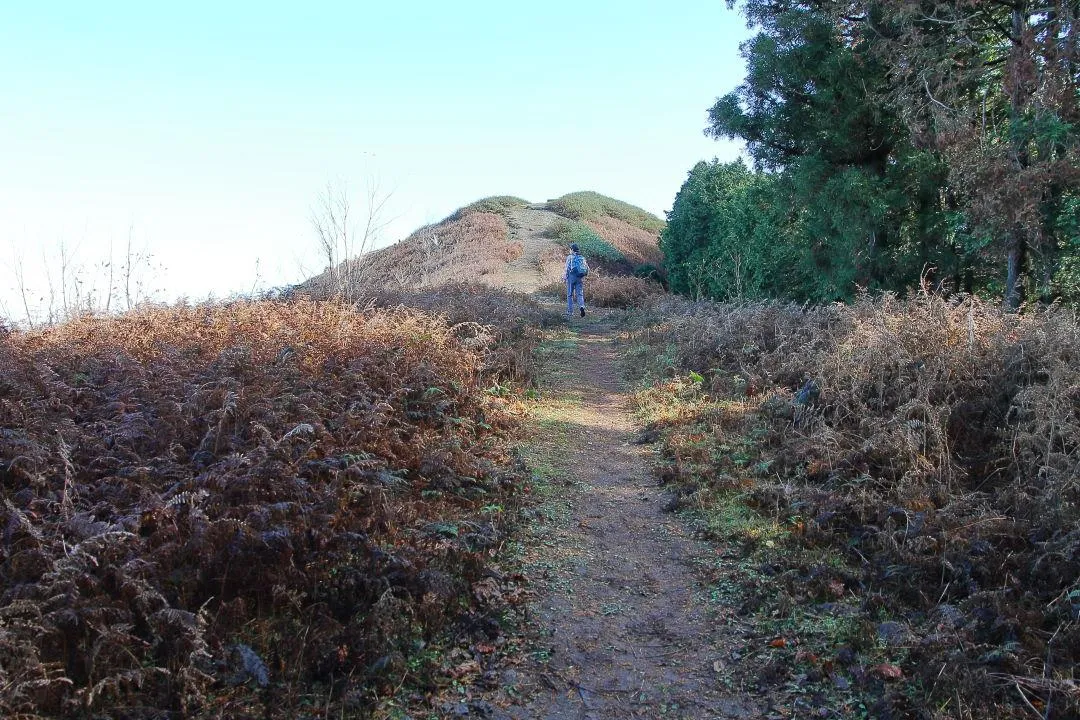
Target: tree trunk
point(1016, 244)
point(1016, 252)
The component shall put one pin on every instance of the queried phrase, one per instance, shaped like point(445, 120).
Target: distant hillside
point(511, 243)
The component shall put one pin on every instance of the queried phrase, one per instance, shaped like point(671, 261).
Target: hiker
point(576, 270)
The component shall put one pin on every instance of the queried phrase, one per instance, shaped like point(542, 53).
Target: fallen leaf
point(465, 668)
point(887, 671)
point(487, 591)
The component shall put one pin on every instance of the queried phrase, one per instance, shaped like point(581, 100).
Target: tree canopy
point(893, 143)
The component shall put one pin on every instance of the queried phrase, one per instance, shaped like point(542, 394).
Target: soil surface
point(541, 259)
point(625, 626)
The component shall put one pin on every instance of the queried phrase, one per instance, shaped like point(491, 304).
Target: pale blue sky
point(210, 128)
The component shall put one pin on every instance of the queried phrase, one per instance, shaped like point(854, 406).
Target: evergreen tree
point(811, 111)
point(721, 237)
point(992, 86)
point(905, 140)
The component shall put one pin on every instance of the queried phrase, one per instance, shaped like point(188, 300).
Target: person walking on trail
point(576, 270)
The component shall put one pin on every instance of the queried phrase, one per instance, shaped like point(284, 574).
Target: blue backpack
point(578, 266)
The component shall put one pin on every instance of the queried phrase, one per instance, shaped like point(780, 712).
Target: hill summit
point(508, 242)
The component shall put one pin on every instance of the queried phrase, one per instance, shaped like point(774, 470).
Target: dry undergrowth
point(612, 291)
point(638, 246)
point(927, 483)
point(469, 245)
point(243, 510)
point(505, 326)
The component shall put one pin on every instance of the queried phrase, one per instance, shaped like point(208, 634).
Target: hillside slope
point(507, 242)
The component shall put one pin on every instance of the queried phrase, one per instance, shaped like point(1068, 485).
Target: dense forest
point(894, 144)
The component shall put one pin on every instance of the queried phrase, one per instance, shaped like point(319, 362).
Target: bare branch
point(341, 242)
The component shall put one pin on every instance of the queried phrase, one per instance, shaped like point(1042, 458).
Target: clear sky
point(207, 130)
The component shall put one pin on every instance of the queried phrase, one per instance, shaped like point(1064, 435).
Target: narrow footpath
point(625, 624)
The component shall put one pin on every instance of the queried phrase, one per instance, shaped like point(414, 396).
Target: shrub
point(613, 291)
point(619, 291)
point(936, 453)
point(509, 323)
point(201, 501)
point(648, 272)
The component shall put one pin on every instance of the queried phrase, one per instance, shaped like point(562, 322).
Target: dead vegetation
point(611, 291)
point(465, 247)
point(250, 510)
point(638, 246)
point(477, 244)
point(913, 466)
point(505, 326)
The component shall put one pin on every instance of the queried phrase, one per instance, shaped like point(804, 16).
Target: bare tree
point(429, 244)
point(127, 272)
point(343, 238)
point(20, 280)
point(66, 269)
point(110, 265)
point(67, 287)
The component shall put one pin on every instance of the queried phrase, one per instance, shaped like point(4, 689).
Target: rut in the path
point(630, 632)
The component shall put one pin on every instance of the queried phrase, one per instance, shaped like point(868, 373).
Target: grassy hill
point(508, 242)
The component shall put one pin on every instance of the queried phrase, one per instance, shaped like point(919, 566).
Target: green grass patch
point(590, 205)
point(498, 204)
point(554, 357)
point(592, 246)
point(727, 516)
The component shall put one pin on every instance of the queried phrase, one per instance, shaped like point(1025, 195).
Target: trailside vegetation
point(891, 141)
point(895, 486)
point(611, 291)
point(504, 326)
point(255, 509)
point(589, 242)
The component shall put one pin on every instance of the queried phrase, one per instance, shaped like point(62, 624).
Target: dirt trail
point(628, 631)
point(541, 260)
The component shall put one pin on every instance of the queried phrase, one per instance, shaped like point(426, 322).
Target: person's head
point(574, 248)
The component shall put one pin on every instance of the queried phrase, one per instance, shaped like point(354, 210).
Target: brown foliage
point(212, 499)
point(614, 291)
point(503, 325)
point(640, 247)
point(464, 247)
point(619, 291)
point(938, 452)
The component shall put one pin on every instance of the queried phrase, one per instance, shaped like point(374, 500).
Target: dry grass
point(466, 247)
point(505, 326)
point(938, 459)
point(612, 291)
point(237, 511)
point(474, 245)
point(638, 246)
